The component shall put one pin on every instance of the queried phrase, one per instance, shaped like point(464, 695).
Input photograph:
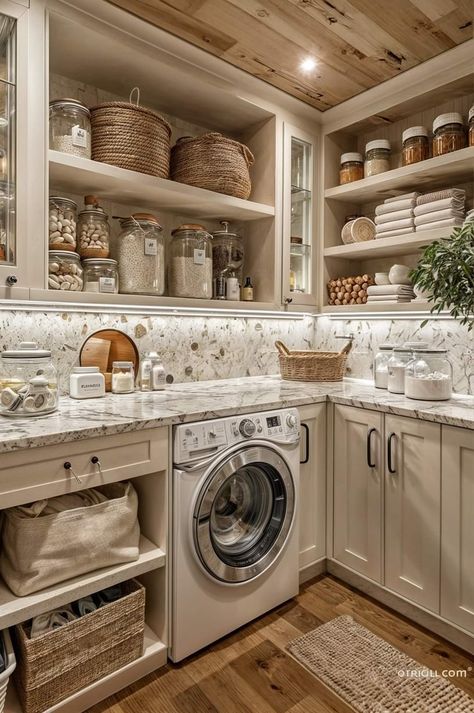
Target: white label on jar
point(199, 257)
point(106, 284)
point(79, 137)
point(151, 246)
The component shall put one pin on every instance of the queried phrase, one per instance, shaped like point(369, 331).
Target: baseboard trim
point(313, 570)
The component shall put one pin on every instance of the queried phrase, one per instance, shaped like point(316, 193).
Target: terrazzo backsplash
point(201, 348)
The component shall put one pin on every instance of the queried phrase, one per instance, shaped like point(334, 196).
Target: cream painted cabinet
point(358, 487)
point(412, 509)
point(457, 527)
point(312, 500)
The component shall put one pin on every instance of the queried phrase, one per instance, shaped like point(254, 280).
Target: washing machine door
point(244, 513)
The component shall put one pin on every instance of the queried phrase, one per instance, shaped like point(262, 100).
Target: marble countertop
point(196, 401)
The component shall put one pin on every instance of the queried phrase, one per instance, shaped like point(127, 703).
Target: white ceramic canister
point(86, 382)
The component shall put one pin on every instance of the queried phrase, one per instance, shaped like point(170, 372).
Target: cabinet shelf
point(386, 247)
point(79, 175)
point(440, 171)
point(422, 307)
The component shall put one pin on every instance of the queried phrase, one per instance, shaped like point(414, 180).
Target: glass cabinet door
point(7, 140)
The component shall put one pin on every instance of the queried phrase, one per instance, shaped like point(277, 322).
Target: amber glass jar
point(416, 145)
point(448, 133)
point(352, 168)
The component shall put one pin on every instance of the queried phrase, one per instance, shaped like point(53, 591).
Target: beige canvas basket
point(53, 666)
point(214, 162)
point(311, 365)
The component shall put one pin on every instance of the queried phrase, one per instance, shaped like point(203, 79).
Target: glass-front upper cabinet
point(298, 218)
point(8, 254)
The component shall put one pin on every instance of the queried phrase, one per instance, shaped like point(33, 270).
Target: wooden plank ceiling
point(356, 43)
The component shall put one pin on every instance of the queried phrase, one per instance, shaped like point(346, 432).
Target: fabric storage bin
point(10, 663)
point(41, 551)
point(53, 666)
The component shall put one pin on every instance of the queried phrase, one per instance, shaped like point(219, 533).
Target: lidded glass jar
point(471, 126)
point(93, 231)
point(141, 255)
point(123, 377)
point(381, 360)
point(227, 254)
point(429, 376)
point(190, 262)
point(64, 271)
point(62, 223)
point(28, 381)
point(352, 167)
point(377, 157)
point(415, 145)
point(299, 261)
point(70, 127)
point(448, 133)
point(401, 357)
point(100, 275)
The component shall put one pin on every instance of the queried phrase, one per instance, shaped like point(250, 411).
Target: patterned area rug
point(372, 675)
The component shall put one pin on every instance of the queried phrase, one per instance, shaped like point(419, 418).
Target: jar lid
point(99, 261)
point(26, 350)
point(85, 370)
point(224, 232)
point(95, 211)
point(69, 103)
point(64, 254)
point(351, 156)
point(402, 350)
point(454, 117)
point(296, 240)
point(471, 113)
point(414, 131)
point(378, 144)
point(68, 201)
point(146, 218)
point(386, 347)
point(189, 226)
point(122, 364)
point(416, 345)
point(430, 350)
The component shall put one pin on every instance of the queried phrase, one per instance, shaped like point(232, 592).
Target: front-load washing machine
point(235, 535)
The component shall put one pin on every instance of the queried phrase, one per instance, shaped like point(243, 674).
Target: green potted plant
point(445, 272)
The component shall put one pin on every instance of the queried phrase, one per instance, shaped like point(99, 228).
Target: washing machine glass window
point(244, 514)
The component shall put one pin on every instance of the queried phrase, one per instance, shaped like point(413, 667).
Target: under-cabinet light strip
point(392, 314)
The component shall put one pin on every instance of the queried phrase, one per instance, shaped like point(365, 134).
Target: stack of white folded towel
point(394, 294)
point(395, 216)
point(441, 209)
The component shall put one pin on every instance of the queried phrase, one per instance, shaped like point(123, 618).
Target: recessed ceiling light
point(308, 64)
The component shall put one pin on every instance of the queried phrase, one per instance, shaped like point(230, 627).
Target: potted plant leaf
point(445, 272)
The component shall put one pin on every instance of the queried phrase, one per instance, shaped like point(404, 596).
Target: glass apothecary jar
point(101, 275)
point(471, 126)
point(123, 377)
point(429, 376)
point(300, 259)
point(377, 157)
point(141, 255)
point(381, 360)
point(93, 230)
point(190, 262)
point(65, 271)
point(352, 168)
point(227, 255)
point(415, 145)
point(401, 357)
point(62, 223)
point(448, 133)
point(70, 127)
point(28, 381)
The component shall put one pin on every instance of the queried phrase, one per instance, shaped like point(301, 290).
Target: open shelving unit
point(385, 247)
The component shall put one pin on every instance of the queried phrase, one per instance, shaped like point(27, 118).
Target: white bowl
point(398, 275)
point(381, 278)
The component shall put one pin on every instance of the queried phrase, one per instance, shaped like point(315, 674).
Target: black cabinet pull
point(391, 469)
point(95, 460)
point(306, 430)
point(369, 447)
point(67, 465)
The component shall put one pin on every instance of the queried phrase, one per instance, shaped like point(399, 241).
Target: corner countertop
point(183, 403)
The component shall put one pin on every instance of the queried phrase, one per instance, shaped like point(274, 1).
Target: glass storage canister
point(123, 377)
point(352, 168)
point(299, 259)
point(141, 255)
point(64, 271)
point(62, 223)
point(190, 263)
point(93, 231)
point(70, 127)
point(401, 357)
point(471, 126)
point(415, 145)
point(100, 275)
point(227, 257)
point(28, 381)
point(429, 376)
point(377, 157)
point(381, 365)
point(448, 133)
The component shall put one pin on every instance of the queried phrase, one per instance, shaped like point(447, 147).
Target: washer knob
point(291, 420)
point(247, 427)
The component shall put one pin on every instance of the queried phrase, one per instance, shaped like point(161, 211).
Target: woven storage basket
point(214, 162)
point(10, 666)
point(131, 136)
point(311, 365)
point(53, 666)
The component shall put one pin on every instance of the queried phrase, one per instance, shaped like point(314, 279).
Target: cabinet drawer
point(40, 472)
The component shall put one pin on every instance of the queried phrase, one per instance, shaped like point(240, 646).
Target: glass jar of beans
point(141, 255)
point(93, 232)
point(70, 127)
point(65, 271)
point(190, 263)
point(62, 223)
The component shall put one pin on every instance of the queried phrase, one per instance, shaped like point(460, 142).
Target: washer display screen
point(273, 421)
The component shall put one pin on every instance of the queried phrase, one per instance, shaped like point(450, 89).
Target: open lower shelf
point(14, 610)
point(72, 174)
point(440, 171)
point(386, 247)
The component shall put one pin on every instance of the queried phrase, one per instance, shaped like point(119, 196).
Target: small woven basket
point(311, 365)
point(214, 162)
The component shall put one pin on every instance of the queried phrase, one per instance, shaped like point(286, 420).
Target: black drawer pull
point(68, 466)
point(95, 460)
point(369, 447)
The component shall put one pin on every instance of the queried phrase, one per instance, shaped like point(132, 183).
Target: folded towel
point(402, 196)
point(387, 299)
point(395, 225)
point(440, 195)
point(395, 205)
point(84, 606)
point(455, 203)
point(49, 621)
point(394, 233)
point(391, 290)
point(396, 215)
point(448, 223)
point(111, 594)
point(438, 215)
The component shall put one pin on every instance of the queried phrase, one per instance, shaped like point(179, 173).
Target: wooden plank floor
point(250, 672)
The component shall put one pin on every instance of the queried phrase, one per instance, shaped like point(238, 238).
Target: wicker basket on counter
point(131, 136)
point(214, 162)
point(312, 365)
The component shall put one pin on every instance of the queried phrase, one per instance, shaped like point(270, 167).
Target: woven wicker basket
point(10, 664)
point(53, 666)
point(131, 136)
point(311, 365)
point(214, 162)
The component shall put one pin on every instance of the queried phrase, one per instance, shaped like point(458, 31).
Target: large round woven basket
point(214, 162)
point(312, 365)
point(131, 136)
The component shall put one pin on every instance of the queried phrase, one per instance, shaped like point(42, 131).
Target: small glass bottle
point(247, 290)
point(381, 365)
point(415, 145)
point(123, 377)
point(144, 373)
point(377, 157)
point(448, 133)
point(471, 126)
point(352, 167)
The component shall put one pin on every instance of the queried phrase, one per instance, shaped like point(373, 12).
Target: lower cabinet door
point(413, 509)
point(358, 503)
point(457, 527)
